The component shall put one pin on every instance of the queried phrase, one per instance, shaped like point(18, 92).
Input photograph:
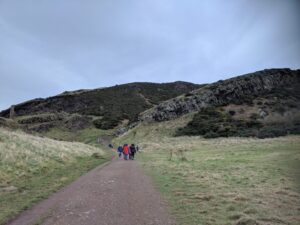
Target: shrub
point(106, 123)
point(212, 123)
point(271, 132)
point(294, 129)
point(254, 124)
point(291, 104)
point(259, 103)
point(211, 134)
point(254, 116)
point(232, 112)
point(279, 108)
point(188, 94)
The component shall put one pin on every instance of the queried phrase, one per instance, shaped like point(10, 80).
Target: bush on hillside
point(212, 122)
point(231, 112)
point(188, 94)
point(106, 123)
point(271, 132)
point(41, 118)
point(295, 128)
point(211, 134)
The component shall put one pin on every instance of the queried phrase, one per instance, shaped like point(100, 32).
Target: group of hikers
point(128, 151)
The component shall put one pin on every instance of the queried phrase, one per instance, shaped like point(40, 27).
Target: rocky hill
point(103, 107)
point(268, 99)
point(237, 90)
point(264, 103)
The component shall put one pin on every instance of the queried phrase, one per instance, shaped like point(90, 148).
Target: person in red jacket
point(125, 151)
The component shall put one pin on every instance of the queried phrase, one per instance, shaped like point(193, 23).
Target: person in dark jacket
point(132, 151)
point(120, 151)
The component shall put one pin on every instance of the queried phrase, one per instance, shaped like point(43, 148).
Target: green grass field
point(32, 167)
point(239, 181)
point(225, 180)
point(87, 136)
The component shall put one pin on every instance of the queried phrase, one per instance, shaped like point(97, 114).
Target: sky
point(51, 46)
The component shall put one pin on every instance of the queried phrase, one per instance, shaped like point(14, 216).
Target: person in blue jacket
point(120, 151)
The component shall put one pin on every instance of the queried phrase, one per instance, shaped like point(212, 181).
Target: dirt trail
point(119, 193)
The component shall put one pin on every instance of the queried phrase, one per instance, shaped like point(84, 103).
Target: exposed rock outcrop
point(237, 90)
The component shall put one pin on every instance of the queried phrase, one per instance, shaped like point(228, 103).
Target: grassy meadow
point(239, 181)
point(32, 167)
point(87, 136)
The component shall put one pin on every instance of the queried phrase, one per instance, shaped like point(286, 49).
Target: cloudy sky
point(49, 46)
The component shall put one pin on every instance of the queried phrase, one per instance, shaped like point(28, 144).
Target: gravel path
point(119, 193)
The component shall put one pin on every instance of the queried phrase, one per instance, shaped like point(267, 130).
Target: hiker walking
point(120, 151)
point(125, 151)
point(132, 151)
point(129, 152)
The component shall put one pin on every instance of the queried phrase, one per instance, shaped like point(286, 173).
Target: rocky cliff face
point(238, 90)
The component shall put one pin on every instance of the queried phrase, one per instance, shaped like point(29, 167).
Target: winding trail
point(118, 193)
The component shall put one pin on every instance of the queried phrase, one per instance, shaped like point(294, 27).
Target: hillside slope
point(108, 105)
point(120, 99)
point(270, 83)
point(262, 104)
point(32, 167)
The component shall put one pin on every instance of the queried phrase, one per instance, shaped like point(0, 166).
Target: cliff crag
point(272, 83)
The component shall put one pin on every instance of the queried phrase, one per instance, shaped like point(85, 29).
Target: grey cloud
point(51, 46)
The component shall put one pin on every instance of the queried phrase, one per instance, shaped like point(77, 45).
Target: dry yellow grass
point(32, 167)
point(20, 151)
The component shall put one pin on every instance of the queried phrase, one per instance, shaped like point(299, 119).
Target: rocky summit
point(277, 83)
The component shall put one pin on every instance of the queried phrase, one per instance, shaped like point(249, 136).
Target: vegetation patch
point(41, 118)
point(45, 121)
point(31, 168)
point(8, 123)
point(212, 122)
point(225, 180)
point(107, 122)
point(215, 122)
point(89, 136)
